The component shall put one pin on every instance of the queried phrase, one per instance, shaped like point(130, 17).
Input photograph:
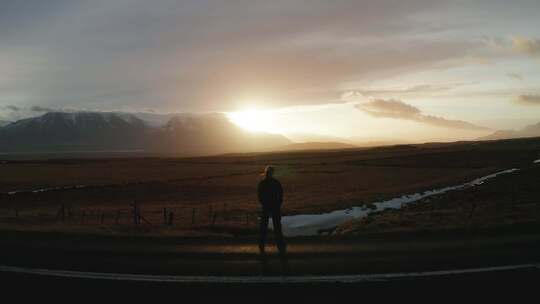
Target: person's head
point(269, 171)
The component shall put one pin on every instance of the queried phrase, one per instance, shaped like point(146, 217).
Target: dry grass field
point(217, 194)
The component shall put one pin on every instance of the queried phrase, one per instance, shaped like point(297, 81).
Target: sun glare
point(254, 120)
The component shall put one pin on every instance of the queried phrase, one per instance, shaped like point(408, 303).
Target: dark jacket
point(270, 194)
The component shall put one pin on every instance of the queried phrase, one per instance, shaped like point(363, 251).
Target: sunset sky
point(372, 70)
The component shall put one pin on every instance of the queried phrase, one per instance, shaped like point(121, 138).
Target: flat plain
point(217, 195)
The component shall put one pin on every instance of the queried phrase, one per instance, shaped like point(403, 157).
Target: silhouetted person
point(270, 194)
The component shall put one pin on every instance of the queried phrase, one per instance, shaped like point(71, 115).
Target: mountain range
point(528, 131)
point(317, 146)
point(182, 134)
point(178, 134)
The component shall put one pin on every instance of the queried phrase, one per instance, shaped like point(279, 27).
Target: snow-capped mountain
point(189, 134)
point(59, 131)
point(81, 121)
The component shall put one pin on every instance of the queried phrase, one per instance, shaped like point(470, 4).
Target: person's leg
point(262, 242)
point(280, 241)
point(263, 230)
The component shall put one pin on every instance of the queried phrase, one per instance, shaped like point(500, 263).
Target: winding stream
point(312, 224)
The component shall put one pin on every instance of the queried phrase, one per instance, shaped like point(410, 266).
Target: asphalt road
point(312, 256)
point(321, 268)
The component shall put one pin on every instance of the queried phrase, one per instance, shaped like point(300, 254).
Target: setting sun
point(254, 120)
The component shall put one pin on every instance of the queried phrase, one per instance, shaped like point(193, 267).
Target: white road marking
point(255, 279)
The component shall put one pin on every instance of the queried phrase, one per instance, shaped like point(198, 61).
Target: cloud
point(515, 76)
point(420, 89)
point(13, 108)
point(14, 113)
point(532, 100)
point(390, 109)
point(399, 110)
point(527, 46)
point(41, 109)
point(206, 55)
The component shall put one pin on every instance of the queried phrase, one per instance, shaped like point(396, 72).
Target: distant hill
point(528, 131)
point(377, 143)
point(4, 122)
point(108, 131)
point(211, 134)
point(316, 146)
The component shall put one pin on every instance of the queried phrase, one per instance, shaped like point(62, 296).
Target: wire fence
point(132, 214)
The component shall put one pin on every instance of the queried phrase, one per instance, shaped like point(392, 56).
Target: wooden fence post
point(117, 218)
point(136, 213)
point(16, 213)
point(171, 218)
point(193, 217)
point(471, 213)
point(214, 219)
point(61, 213)
point(164, 216)
point(102, 217)
point(83, 215)
point(513, 202)
point(210, 212)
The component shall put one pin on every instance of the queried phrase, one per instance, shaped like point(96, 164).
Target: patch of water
point(48, 189)
point(312, 224)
